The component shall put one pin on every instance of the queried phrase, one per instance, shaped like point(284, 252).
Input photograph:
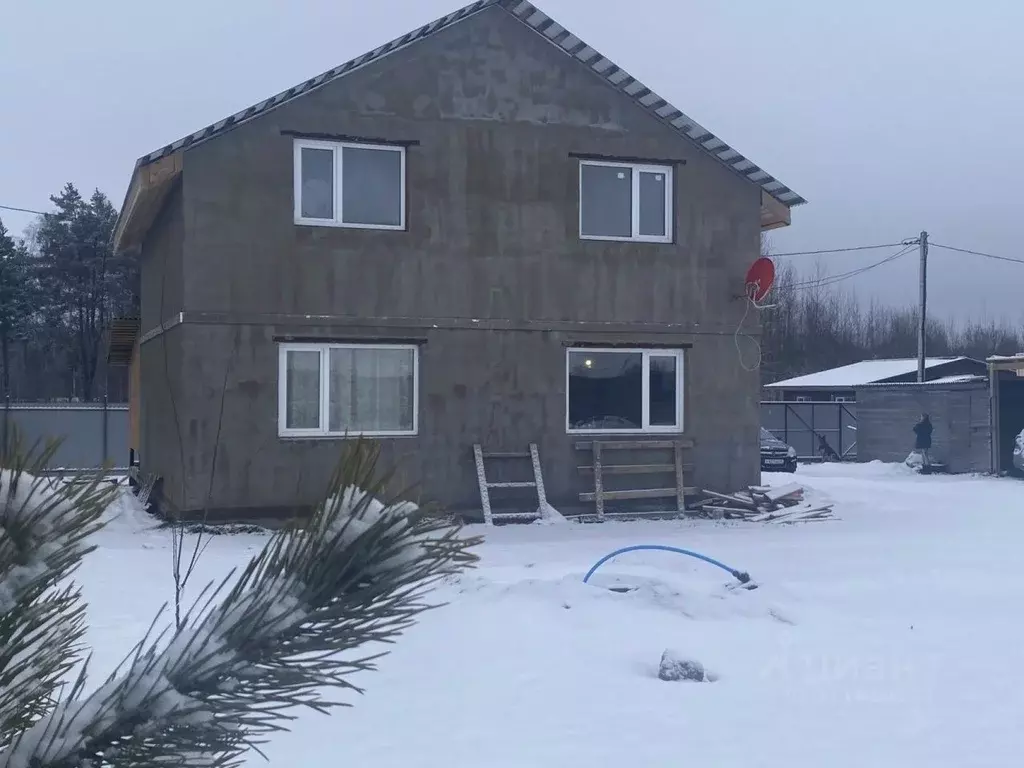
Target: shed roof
point(571, 45)
point(967, 378)
point(859, 374)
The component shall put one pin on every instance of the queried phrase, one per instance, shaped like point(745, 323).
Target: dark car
point(776, 456)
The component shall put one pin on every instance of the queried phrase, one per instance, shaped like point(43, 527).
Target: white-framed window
point(342, 184)
point(623, 390)
point(337, 390)
point(625, 201)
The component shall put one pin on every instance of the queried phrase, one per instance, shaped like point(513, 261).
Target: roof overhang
point(773, 213)
point(1013, 363)
point(150, 185)
point(122, 333)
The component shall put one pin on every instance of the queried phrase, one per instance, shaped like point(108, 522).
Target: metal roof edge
point(313, 83)
point(966, 380)
point(573, 46)
point(933, 362)
point(659, 107)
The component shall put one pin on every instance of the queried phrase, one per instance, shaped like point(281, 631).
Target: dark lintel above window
point(297, 338)
point(627, 159)
point(349, 139)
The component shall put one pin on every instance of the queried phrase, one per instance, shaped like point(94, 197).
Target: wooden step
point(633, 469)
point(637, 493)
point(507, 455)
point(515, 516)
point(516, 484)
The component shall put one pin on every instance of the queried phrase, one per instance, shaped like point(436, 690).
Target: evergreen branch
point(231, 674)
point(44, 524)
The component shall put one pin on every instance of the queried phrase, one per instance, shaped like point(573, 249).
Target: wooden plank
point(775, 494)
point(635, 445)
point(637, 493)
point(749, 503)
point(515, 516)
point(630, 469)
point(598, 482)
point(719, 511)
point(680, 480)
point(645, 513)
point(538, 480)
point(481, 479)
point(793, 513)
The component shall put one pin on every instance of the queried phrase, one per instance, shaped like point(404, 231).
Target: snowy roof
point(571, 45)
point(967, 378)
point(1012, 363)
point(859, 374)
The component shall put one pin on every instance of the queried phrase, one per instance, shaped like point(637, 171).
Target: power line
point(833, 279)
point(838, 250)
point(23, 210)
point(977, 253)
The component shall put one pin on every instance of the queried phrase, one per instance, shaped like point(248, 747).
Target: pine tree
point(18, 296)
point(86, 286)
point(204, 693)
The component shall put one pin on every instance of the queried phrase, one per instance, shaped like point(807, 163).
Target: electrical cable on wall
point(758, 283)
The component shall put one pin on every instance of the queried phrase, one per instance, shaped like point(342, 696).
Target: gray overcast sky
point(889, 116)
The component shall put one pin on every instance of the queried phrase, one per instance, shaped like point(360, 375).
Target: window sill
point(295, 436)
point(330, 224)
point(611, 239)
point(666, 432)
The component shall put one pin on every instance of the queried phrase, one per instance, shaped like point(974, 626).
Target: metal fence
point(91, 433)
point(804, 425)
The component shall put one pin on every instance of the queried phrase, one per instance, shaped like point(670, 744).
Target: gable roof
point(571, 45)
point(862, 373)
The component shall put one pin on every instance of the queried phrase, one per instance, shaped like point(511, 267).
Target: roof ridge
point(575, 47)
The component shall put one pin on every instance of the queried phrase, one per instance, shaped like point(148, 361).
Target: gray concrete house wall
point(886, 415)
point(489, 278)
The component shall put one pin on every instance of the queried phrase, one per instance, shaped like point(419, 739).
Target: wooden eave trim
point(145, 199)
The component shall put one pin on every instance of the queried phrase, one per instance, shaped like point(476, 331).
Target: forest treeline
point(60, 286)
point(815, 324)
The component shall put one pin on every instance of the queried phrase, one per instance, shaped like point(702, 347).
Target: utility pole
point(923, 308)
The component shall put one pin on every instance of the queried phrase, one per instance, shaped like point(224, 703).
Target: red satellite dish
point(760, 278)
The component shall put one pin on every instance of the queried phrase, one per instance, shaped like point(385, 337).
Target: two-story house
point(484, 232)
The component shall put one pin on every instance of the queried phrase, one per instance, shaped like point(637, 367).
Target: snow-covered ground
point(892, 636)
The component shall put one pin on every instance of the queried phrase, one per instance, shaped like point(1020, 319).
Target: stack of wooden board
point(763, 504)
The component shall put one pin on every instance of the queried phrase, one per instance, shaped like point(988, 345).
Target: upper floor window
point(349, 185)
point(334, 390)
point(625, 201)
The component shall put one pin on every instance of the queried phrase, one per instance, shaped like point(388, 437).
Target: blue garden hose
point(740, 576)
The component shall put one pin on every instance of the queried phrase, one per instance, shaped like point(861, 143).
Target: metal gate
point(816, 430)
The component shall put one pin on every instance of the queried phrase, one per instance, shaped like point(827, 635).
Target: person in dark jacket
point(923, 438)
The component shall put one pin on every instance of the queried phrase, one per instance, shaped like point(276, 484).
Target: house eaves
point(777, 198)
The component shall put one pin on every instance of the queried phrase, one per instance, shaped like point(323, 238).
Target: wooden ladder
point(485, 486)
point(599, 470)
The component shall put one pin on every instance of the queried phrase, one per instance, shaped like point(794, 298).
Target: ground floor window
point(624, 390)
point(348, 389)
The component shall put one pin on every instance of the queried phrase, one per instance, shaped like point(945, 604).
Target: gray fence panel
point(803, 424)
point(91, 433)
